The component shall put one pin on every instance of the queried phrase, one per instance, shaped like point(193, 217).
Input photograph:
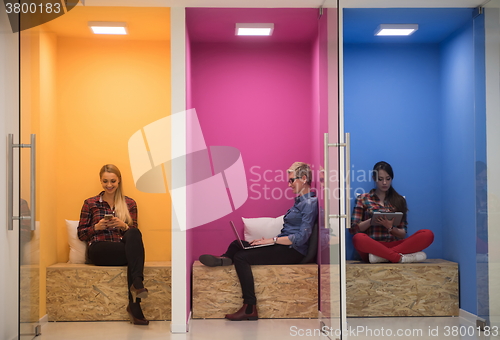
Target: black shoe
point(215, 261)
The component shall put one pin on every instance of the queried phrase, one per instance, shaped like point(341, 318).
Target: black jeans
point(243, 259)
point(129, 252)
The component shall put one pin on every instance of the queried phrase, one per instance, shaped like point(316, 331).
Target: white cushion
point(77, 248)
point(267, 227)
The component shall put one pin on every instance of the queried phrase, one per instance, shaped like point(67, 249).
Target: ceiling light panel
point(259, 29)
point(396, 29)
point(108, 27)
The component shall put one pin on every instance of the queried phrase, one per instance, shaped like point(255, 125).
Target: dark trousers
point(129, 252)
point(243, 259)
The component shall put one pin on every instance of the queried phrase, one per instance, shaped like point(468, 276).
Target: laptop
point(241, 242)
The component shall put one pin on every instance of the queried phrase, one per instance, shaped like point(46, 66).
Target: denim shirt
point(299, 221)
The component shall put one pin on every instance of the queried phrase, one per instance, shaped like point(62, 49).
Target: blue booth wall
point(392, 109)
point(464, 124)
point(412, 105)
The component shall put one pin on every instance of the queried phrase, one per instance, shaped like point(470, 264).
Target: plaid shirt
point(93, 211)
point(366, 204)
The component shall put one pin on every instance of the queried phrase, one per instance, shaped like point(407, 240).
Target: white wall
point(180, 313)
point(492, 24)
point(9, 120)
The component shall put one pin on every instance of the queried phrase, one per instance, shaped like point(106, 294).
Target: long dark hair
point(395, 199)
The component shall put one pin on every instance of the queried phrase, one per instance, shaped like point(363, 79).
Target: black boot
point(215, 261)
point(135, 314)
point(247, 312)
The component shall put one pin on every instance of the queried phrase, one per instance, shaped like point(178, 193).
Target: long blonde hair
point(121, 208)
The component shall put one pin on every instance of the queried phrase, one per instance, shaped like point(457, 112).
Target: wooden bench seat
point(77, 292)
point(428, 288)
point(80, 292)
point(283, 291)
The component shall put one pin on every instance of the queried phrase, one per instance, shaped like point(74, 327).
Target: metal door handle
point(348, 179)
point(10, 185)
point(347, 146)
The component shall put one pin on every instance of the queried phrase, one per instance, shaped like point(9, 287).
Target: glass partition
point(428, 104)
point(29, 247)
point(333, 185)
point(481, 178)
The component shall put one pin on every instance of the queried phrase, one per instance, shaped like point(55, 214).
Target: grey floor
point(272, 329)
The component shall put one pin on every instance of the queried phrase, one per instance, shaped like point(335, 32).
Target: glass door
point(21, 268)
point(481, 167)
point(334, 187)
point(29, 231)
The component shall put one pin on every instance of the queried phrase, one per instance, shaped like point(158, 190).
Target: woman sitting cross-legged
point(383, 241)
point(289, 247)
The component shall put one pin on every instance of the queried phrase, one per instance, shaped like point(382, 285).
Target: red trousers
point(392, 251)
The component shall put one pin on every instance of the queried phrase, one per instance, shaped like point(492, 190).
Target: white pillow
point(77, 248)
point(267, 227)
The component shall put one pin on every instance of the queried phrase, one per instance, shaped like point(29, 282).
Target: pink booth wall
point(257, 99)
point(266, 97)
point(256, 95)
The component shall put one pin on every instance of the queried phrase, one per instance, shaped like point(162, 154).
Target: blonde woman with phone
point(108, 223)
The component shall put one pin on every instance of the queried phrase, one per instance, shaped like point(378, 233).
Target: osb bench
point(428, 288)
point(81, 292)
point(283, 291)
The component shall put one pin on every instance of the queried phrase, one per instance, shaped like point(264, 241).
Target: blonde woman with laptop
point(289, 247)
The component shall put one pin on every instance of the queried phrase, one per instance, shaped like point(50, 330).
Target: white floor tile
point(410, 328)
point(268, 329)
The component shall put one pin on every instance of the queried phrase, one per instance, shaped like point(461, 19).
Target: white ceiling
point(207, 3)
point(411, 3)
point(287, 3)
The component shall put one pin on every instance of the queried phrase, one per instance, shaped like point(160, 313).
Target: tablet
point(394, 216)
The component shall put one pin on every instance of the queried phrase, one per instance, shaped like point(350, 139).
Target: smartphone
point(108, 216)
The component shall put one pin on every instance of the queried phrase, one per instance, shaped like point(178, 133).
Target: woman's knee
point(359, 237)
point(235, 243)
point(361, 240)
point(427, 233)
point(240, 257)
point(133, 232)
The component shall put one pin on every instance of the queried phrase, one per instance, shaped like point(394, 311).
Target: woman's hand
point(385, 222)
point(364, 225)
point(261, 241)
point(102, 225)
point(112, 223)
point(116, 223)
